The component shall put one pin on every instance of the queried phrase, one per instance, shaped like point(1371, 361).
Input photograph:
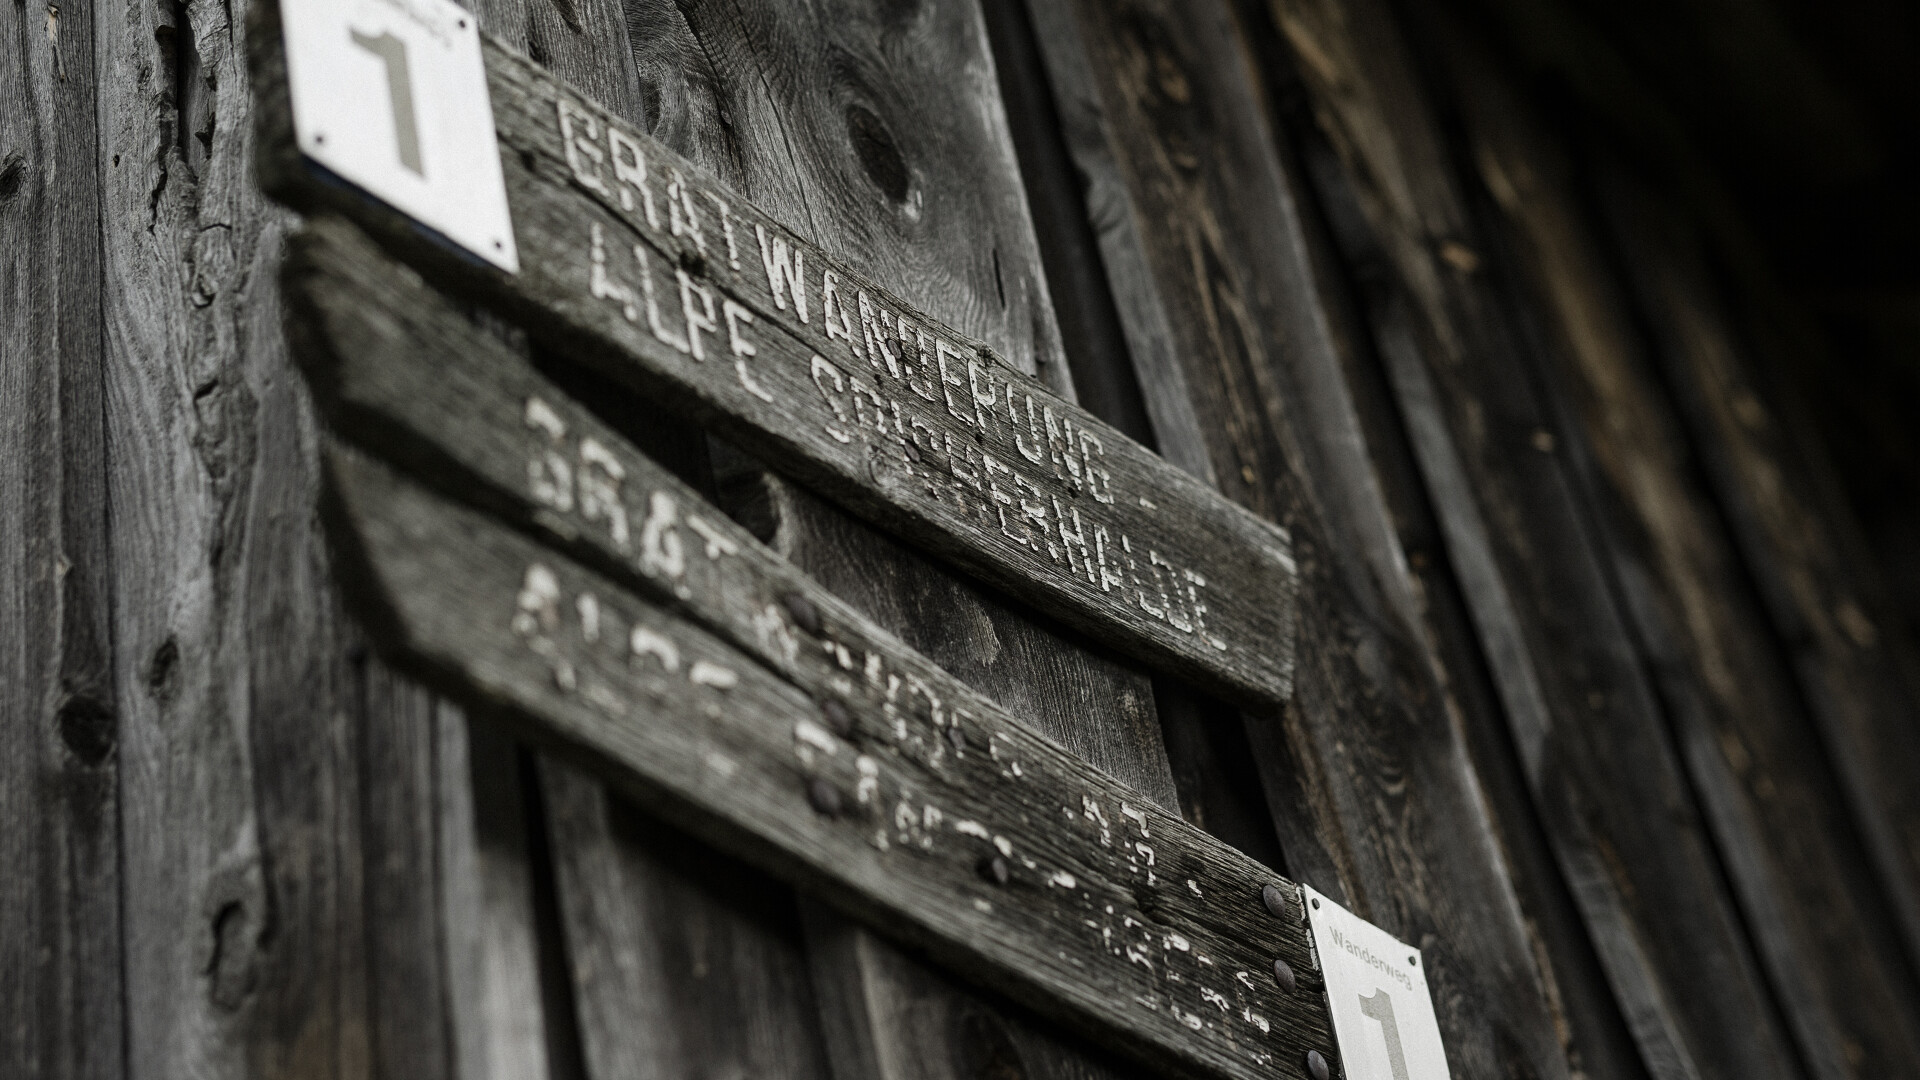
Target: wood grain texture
point(218, 618)
point(60, 949)
point(908, 423)
point(1588, 1019)
point(363, 328)
point(685, 962)
point(704, 734)
point(1170, 115)
point(1585, 719)
point(1814, 575)
point(1798, 868)
point(640, 927)
point(898, 94)
point(258, 940)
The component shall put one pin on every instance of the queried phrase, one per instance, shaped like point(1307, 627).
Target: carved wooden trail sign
point(634, 262)
point(585, 589)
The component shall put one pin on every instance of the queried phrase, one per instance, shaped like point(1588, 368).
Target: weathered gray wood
point(482, 422)
point(60, 948)
point(1815, 578)
point(1798, 868)
point(930, 436)
point(246, 778)
point(212, 559)
point(886, 819)
point(686, 963)
point(879, 95)
point(1585, 719)
point(1160, 109)
point(644, 936)
point(1588, 1019)
point(888, 1017)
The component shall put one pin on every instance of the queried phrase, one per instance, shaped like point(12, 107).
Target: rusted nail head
point(839, 719)
point(1317, 1065)
point(1275, 900)
point(823, 797)
point(995, 869)
point(1283, 974)
point(802, 611)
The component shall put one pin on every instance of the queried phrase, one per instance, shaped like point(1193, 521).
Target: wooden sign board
point(588, 592)
point(633, 261)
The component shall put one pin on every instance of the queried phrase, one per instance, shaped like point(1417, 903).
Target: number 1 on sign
point(406, 129)
point(1378, 1007)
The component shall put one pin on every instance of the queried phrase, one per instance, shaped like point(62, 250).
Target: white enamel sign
point(1377, 988)
point(391, 95)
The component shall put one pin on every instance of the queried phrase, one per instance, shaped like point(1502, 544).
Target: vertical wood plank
point(686, 963)
point(1160, 105)
point(681, 963)
point(60, 956)
point(191, 335)
point(1586, 721)
point(1814, 576)
point(1797, 867)
point(876, 131)
point(276, 901)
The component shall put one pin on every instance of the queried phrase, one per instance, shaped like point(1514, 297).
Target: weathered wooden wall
point(1598, 700)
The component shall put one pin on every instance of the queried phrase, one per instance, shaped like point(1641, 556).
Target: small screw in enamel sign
point(391, 95)
point(1377, 989)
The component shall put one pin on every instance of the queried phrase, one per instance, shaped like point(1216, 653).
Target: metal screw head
point(823, 797)
point(839, 719)
point(994, 869)
point(802, 611)
point(1283, 974)
point(1275, 900)
point(1317, 1065)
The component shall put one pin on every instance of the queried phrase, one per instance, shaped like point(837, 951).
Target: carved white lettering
point(741, 348)
point(786, 267)
point(584, 155)
point(630, 172)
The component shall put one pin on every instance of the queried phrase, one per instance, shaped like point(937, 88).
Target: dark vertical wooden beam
point(1585, 717)
point(1198, 222)
point(1820, 588)
point(1796, 865)
point(60, 956)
